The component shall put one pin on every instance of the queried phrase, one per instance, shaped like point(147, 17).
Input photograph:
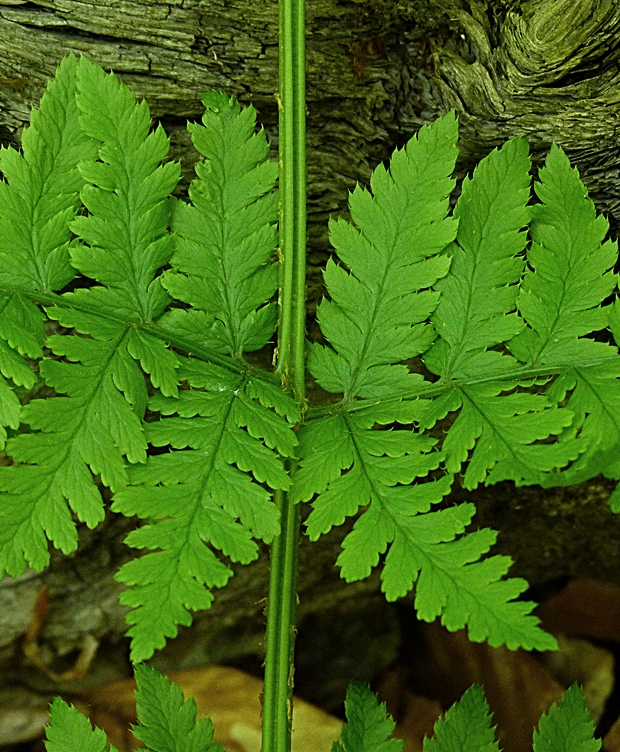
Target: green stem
point(282, 601)
point(280, 643)
point(436, 388)
point(292, 146)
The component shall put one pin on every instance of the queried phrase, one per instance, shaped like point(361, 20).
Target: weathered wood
point(377, 71)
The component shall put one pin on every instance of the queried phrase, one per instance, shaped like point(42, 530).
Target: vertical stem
point(280, 643)
point(292, 147)
point(282, 601)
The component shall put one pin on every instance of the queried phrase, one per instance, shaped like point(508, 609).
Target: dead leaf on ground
point(585, 608)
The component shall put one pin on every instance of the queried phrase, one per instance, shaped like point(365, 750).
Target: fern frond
point(567, 727)
point(570, 276)
point(506, 333)
point(167, 721)
point(451, 581)
point(237, 427)
point(477, 303)
point(126, 197)
point(201, 495)
point(368, 726)
point(43, 188)
point(571, 271)
point(41, 195)
point(224, 242)
point(466, 726)
point(70, 730)
point(377, 312)
point(237, 424)
point(475, 311)
point(98, 424)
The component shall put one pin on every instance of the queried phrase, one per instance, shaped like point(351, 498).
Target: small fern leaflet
point(41, 195)
point(561, 300)
point(225, 240)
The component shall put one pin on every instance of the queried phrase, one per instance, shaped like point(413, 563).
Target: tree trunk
point(377, 71)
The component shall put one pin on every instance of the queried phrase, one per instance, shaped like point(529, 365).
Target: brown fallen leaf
point(415, 715)
point(585, 608)
point(418, 721)
point(611, 742)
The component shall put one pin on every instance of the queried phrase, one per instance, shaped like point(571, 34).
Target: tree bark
point(377, 71)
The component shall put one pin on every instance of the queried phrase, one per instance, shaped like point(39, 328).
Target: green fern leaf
point(451, 582)
point(69, 730)
point(567, 727)
point(43, 192)
point(127, 201)
point(202, 495)
point(571, 271)
point(167, 722)
point(40, 197)
point(476, 311)
point(501, 429)
point(380, 466)
point(368, 726)
point(98, 424)
point(238, 428)
point(561, 300)
point(479, 292)
point(466, 726)
point(222, 264)
point(377, 313)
